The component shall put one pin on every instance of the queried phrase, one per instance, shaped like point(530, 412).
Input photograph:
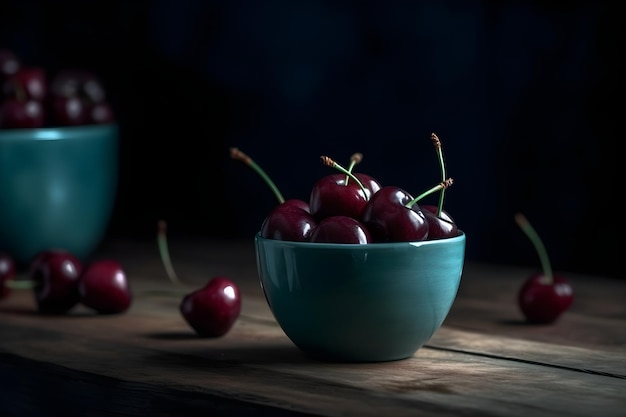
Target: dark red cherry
point(55, 274)
point(78, 83)
point(433, 209)
point(544, 296)
point(340, 229)
point(21, 114)
point(69, 111)
point(213, 309)
point(100, 113)
point(439, 227)
point(543, 300)
point(26, 83)
point(103, 286)
point(370, 183)
point(294, 202)
point(389, 219)
point(7, 273)
point(289, 221)
point(332, 196)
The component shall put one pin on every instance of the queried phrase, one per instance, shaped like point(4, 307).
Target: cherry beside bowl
point(57, 188)
point(360, 302)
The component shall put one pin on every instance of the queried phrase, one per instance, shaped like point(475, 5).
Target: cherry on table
point(544, 296)
point(7, 273)
point(103, 286)
point(210, 310)
point(213, 309)
point(55, 274)
point(543, 299)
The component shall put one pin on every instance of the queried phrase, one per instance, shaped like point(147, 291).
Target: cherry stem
point(532, 234)
point(235, 153)
point(165, 253)
point(356, 158)
point(441, 186)
point(331, 163)
point(438, 148)
point(20, 284)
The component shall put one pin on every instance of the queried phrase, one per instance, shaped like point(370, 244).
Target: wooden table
point(485, 361)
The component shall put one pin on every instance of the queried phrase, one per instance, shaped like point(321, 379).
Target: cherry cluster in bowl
point(60, 282)
point(354, 208)
point(30, 97)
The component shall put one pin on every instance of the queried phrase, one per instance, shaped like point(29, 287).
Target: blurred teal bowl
point(360, 303)
point(58, 187)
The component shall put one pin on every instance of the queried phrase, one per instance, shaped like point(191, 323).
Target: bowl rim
point(352, 246)
point(56, 132)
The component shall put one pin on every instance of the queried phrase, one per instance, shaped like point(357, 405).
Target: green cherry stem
point(235, 153)
point(331, 163)
point(20, 284)
point(356, 158)
point(165, 253)
point(441, 186)
point(439, 150)
point(532, 234)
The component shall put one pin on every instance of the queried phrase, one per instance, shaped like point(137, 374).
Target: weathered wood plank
point(483, 362)
point(458, 373)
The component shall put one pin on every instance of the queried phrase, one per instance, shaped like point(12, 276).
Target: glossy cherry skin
point(331, 196)
point(213, 309)
point(26, 83)
point(389, 220)
point(294, 202)
point(103, 286)
point(55, 274)
point(341, 229)
point(542, 302)
point(21, 114)
point(370, 183)
point(7, 273)
point(78, 83)
point(289, 221)
point(439, 227)
point(68, 111)
point(100, 113)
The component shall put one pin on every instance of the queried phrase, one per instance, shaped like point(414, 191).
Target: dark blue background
point(525, 96)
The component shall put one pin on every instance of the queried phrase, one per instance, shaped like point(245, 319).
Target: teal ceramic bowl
point(360, 303)
point(57, 188)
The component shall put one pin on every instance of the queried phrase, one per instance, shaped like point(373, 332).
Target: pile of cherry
point(354, 208)
point(32, 98)
point(60, 282)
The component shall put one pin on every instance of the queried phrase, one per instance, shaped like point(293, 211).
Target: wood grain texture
point(484, 361)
